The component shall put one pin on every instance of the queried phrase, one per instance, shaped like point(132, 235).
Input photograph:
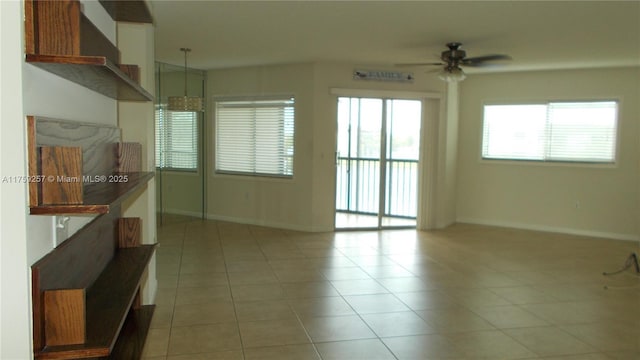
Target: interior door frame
point(432, 113)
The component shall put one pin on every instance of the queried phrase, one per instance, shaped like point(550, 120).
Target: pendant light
point(185, 103)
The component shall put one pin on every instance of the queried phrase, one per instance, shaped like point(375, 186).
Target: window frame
point(550, 162)
point(186, 171)
point(253, 175)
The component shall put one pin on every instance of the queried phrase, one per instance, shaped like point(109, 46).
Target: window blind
point(555, 131)
point(255, 136)
point(176, 139)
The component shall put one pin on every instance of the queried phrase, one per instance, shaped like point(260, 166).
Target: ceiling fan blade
point(479, 60)
point(419, 64)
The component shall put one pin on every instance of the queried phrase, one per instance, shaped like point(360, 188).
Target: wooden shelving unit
point(61, 40)
point(86, 292)
point(130, 11)
point(99, 198)
point(104, 295)
point(93, 72)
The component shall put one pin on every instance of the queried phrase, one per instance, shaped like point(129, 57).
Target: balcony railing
point(358, 181)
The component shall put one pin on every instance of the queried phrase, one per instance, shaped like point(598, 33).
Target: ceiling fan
point(456, 57)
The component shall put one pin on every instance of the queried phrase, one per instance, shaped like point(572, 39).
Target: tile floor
point(230, 291)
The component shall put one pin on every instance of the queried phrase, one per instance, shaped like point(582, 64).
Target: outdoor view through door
point(377, 162)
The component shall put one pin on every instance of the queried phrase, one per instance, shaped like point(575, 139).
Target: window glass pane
point(558, 131)
point(255, 136)
point(582, 131)
point(514, 132)
point(176, 139)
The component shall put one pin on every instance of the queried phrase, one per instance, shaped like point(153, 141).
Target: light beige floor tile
point(162, 317)
point(206, 313)
point(286, 352)
point(509, 316)
point(157, 343)
point(200, 295)
point(405, 284)
point(552, 278)
point(252, 278)
point(299, 275)
point(257, 292)
point(272, 333)
point(523, 295)
point(203, 280)
point(607, 336)
point(549, 341)
point(371, 349)
point(397, 324)
point(263, 310)
point(427, 300)
point(454, 320)
point(344, 273)
point(427, 347)
point(309, 289)
point(490, 345)
point(204, 339)
point(565, 313)
point(221, 355)
point(359, 287)
point(580, 357)
point(379, 303)
point(337, 328)
point(325, 306)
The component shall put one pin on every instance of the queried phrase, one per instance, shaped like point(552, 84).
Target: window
point(254, 136)
point(555, 131)
point(176, 139)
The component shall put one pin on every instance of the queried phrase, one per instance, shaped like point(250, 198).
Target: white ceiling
point(537, 34)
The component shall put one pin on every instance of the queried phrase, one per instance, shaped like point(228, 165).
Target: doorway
point(377, 157)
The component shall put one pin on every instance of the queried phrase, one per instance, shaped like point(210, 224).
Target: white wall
point(306, 202)
point(15, 288)
point(544, 196)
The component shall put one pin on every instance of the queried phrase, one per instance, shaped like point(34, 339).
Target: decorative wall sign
point(382, 75)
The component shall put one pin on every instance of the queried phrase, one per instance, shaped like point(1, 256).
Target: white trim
point(395, 94)
point(554, 229)
point(267, 223)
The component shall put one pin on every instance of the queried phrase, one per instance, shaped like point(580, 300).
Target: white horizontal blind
point(255, 136)
point(176, 139)
point(582, 131)
point(558, 131)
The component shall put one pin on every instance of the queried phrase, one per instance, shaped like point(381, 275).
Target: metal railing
point(358, 181)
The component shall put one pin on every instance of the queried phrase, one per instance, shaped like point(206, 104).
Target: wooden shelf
point(129, 11)
point(99, 197)
point(107, 305)
point(94, 72)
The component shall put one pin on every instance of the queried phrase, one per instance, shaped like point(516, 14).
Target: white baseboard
point(544, 228)
point(195, 214)
point(272, 224)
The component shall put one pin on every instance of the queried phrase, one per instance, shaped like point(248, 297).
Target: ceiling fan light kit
point(456, 57)
point(452, 74)
point(185, 103)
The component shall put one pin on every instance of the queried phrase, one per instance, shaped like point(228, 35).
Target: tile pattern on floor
point(232, 291)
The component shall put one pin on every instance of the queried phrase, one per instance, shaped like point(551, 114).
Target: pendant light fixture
point(185, 103)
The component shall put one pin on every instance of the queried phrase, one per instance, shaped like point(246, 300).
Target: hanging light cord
point(185, 50)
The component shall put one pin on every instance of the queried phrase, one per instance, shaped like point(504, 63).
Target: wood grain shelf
point(107, 306)
point(94, 72)
point(129, 10)
point(99, 197)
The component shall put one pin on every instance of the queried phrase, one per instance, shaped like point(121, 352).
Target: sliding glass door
point(377, 162)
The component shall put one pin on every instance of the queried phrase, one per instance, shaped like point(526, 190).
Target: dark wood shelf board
point(93, 72)
point(107, 306)
point(99, 197)
point(129, 11)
